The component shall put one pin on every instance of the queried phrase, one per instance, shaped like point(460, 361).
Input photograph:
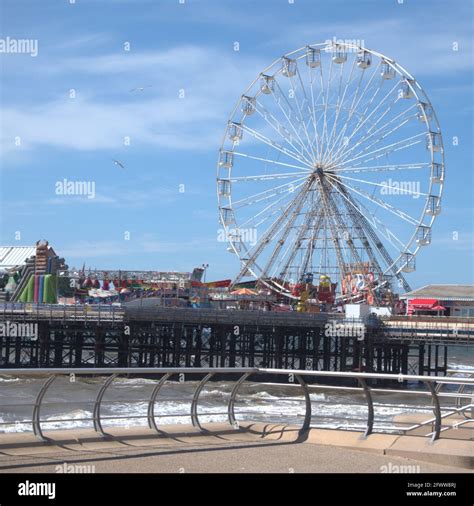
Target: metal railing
point(435, 329)
point(238, 376)
point(74, 312)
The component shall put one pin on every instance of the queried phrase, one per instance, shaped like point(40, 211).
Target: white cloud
point(104, 111)
point(423, 49)
point(71, 199)
point(94, 120)
point(95, 249)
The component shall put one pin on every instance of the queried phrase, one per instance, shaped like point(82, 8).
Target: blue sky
point(183, 54)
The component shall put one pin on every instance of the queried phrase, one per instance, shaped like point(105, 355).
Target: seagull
point(141, 88)
point(119, 164)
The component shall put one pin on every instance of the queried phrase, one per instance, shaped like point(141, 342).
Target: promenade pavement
point(255, 448)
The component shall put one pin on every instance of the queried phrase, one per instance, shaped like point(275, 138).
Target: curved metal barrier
point(239, 376)
point(194, 403)
point(151, 404)
point(98, 401)
point(36, 419)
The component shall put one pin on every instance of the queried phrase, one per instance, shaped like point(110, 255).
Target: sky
point(152, 84)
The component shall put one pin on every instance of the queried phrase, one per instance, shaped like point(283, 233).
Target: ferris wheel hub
point(318, 169)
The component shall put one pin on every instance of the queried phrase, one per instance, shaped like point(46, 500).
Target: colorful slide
point(42, 289)
point(27, 295)
point(50, 289)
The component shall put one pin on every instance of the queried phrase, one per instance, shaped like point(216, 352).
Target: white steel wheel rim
point(343, 132)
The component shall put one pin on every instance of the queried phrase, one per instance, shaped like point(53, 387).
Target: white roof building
point(463, 293)
point(15, 256)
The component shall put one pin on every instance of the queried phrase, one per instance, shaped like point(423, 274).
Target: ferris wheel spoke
point(374, 143)
point(326, 100)
point(381, 185)
point(323, 105)
point(294, 246)
point(288, 119)
point(268, 234)
point(277, 271)
point(379, 139)
point(279, 97)
point(384, 126)
point(363, 120)
point(339, 106)
point(308, 255)
point(332, 227)
point(284, 236)
point(281, 130)
point(381, 203)
point(331, 115)
point(396, 146)
point(267, 209)
point(384, 168)
point(384, 254)
point(364, 217)
point(343, 228)
point(313, 113)
point(339, 143)
point(264, 177)
point(364, 117)
point(275, 145)
point(395, 118)
point(294, 87)
point(362, 236)
point(267, 160)
point(252, 199)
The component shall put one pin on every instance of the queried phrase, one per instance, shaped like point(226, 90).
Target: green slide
point(50, 289)
point(28, 293)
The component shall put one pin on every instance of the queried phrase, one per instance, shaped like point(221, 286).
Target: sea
point(69, 402)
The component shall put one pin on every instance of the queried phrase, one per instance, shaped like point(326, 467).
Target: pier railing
point(165, 315)
point(460, 411)
point(75, 312)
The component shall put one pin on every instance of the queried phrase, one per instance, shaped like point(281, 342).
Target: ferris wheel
point(331, 171)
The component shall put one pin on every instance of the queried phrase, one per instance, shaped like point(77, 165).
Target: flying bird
point(141, 88)
point(119, 164)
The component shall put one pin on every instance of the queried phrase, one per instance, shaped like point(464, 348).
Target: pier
point(118, 336)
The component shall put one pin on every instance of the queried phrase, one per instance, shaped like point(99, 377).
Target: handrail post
point(370, 407)
point(194, 402)
point(36, 420)
point(436, 410)
point(233, 395)
point(307, 416)
point(96, 416)
point(151, 404)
